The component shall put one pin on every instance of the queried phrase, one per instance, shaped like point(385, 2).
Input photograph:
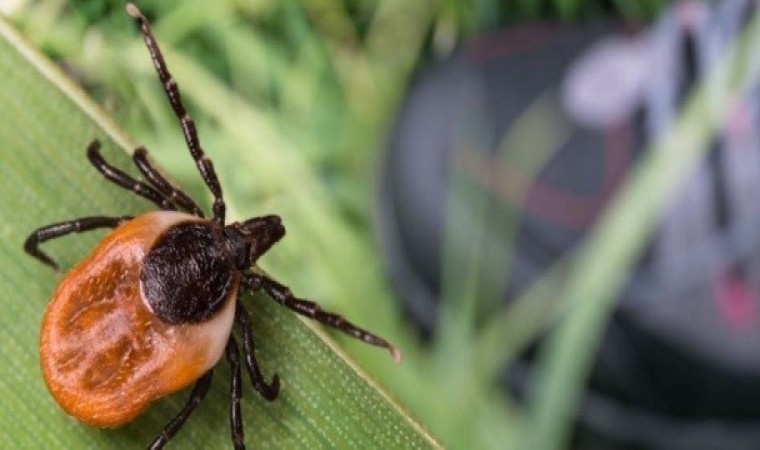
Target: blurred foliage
point(292, 100)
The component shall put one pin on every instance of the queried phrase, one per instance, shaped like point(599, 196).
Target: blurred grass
point(603, 264)
point(292, 100)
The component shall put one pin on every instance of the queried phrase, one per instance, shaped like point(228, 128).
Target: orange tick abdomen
point(105, 356)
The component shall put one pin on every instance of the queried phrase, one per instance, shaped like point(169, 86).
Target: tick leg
point(120, 178)
point(267, 390)
point(205, 167)
point(236, 393)
point(284, 296)
point(162, 185)
point(199, 391)
point(56, 230)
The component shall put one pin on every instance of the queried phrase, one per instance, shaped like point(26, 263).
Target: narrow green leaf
point(326, 401)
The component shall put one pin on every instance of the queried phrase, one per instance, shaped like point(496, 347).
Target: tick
point(151, 309)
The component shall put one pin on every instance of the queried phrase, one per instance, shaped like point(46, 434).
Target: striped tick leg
point(52, 231)
point(267, 390)
point(236, 394)
point(282, 295)
point(196, 397)
point(120, 178)
point(162, 185)
point(204, 164)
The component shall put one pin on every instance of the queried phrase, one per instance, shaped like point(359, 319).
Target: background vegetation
point(293, 99)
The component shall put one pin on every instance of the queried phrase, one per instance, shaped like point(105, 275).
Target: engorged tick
point(151, 309)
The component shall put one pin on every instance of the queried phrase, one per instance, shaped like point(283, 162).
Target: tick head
point(252, 238)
